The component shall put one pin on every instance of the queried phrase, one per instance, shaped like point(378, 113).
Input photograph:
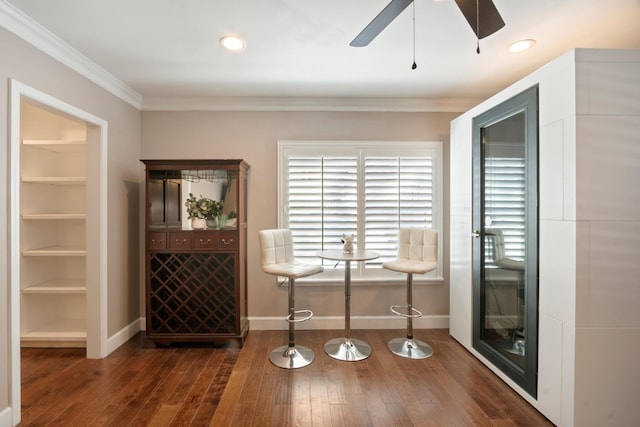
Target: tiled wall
point(608, 238)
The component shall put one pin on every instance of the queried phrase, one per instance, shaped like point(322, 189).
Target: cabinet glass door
point(168, 191)
point(505, 217)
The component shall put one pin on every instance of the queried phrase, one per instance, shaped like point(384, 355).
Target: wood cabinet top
point(196, 164)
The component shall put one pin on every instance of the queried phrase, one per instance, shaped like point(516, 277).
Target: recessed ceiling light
point(232, 42)
point(521, 45)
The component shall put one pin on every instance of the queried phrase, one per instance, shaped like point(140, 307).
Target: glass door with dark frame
point(505, 217)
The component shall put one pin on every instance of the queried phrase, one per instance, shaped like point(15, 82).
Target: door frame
point(96, 225)
point(527, 102)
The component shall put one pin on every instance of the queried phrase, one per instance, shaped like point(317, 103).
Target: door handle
point(476, 234)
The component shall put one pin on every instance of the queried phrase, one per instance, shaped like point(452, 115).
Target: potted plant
point(214, 214)
point(202, 209)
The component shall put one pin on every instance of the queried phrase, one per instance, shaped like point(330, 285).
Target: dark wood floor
point(140, 385)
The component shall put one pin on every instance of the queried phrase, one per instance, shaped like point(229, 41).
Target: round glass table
point(347, 348)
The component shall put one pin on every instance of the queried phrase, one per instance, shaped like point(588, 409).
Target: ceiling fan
point(482, 16)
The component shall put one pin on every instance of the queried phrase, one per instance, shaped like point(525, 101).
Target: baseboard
point(329, 323)
point(357, 322)
point(124, 335)
point(5, 417)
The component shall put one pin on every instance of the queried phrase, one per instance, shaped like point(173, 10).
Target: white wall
point(23, 62)
point(253, 136)
point(589, 325)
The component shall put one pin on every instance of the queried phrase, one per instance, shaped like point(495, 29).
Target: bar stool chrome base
point(291, 357)
point(350, 350)
point(517, 347)
point(410, 348)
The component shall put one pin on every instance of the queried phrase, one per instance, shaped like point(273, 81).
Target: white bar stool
point(278, 259)
point(496, 240)
point(417, 254)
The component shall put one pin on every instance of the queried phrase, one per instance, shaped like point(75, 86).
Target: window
point(369, 189)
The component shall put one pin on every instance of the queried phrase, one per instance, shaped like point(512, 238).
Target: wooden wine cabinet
point(196, 280)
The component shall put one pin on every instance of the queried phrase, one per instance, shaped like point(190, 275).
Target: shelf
point(59, 330)
point(54, 336)
point(55, 180)
point(56, 216)
point(57, 286)
point(57, 145)
point(56, 251)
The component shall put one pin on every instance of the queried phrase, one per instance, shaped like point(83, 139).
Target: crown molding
point(308, 104)
point(20, 24)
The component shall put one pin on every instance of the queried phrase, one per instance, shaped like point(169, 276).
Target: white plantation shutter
point(323, 202)
point(398, 193)
point(368, 189)
point(505, 201)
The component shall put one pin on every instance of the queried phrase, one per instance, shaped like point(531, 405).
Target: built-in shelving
point(55, 180)
point(55, 335)
point(60, 216)
point(62, 330)
point(56, 251)
point(58, 145)
point(53, 246)
point(57, 286)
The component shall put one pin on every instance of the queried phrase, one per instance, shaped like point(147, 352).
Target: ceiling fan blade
point(489, 20)
point(380, 22)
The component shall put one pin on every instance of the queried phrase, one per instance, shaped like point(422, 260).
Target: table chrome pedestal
point(347, 348)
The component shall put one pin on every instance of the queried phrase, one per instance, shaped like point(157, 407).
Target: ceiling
point(168, 50)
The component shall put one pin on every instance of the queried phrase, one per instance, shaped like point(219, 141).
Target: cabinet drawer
point(157, 240)
point(228, 240)
point(205, 240)
point(180, 240)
